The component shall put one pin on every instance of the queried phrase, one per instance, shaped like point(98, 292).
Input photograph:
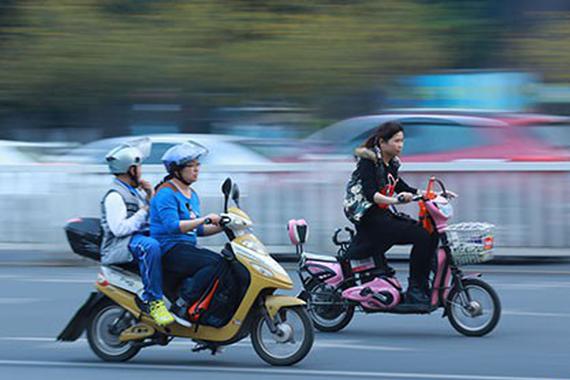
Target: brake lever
point(225, 220)
point(335, 236)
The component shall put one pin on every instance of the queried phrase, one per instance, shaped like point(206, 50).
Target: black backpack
point(220, 301)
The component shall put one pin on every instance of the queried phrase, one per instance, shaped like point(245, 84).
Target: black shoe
point(416, 297)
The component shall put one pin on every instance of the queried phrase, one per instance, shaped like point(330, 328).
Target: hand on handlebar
point(405, 197)
point(213, 219)
point(449, 194)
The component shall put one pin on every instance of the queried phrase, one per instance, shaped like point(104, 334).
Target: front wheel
point(475, 310)
point(290, 343)
point(107, 322)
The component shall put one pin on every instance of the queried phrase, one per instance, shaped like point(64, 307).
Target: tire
point(264, 343)
point(457, 313)
point(325, 318)
point(103, 342)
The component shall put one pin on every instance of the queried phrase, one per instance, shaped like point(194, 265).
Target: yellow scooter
point(117, 327)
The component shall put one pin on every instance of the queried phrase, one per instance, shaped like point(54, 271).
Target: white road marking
point(353, 345)
point(535, 314)
point(58, 280)
point(18, 300)
point(267, 371)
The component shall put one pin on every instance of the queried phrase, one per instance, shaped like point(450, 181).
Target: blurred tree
point(545, 47)
point(72, 55)
point(475, 29)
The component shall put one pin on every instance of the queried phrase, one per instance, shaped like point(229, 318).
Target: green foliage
point(546, 47)
point(67, 54)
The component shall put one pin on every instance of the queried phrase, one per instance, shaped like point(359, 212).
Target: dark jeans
point(379, 230)
point(186, 260)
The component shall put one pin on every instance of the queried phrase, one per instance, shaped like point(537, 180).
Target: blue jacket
point(167, 208)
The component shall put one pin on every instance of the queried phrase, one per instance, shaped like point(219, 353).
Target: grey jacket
point(115, 249)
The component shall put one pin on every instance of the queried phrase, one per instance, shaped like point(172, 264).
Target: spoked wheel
point(476, 310)
point(329, 312)
point(290, 343)
point(107, 322)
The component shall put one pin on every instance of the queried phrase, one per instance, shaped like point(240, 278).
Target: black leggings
point(379, 230)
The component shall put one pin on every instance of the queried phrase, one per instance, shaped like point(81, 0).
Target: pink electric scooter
point(335, 286)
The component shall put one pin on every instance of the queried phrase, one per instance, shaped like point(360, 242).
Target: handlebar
point(416, 198)
point(225, 220)
point(338, 242)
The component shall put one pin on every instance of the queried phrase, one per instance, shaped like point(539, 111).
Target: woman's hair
point(164, 180)
point(384, 132)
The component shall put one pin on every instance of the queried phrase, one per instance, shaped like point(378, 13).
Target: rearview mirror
point(235, 194)
point(227, 187)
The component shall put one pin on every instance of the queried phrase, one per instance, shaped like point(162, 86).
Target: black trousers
point(379, 230)
point(186, 262)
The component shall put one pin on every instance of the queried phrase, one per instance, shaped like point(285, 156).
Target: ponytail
point(164, 180)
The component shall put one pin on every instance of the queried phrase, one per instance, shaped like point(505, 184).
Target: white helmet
point(134, 152)
point(179, 155)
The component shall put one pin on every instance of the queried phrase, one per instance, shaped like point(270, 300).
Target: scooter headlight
point(254, 245)
point(446, 210)
point(262, 270)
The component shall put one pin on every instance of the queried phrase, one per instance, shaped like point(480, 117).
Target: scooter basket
point(471, 243)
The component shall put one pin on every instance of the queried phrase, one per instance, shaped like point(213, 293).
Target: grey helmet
point(121, 158)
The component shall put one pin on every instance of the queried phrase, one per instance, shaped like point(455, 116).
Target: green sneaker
point(160, 313)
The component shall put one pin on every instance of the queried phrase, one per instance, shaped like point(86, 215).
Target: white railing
point(528, 202)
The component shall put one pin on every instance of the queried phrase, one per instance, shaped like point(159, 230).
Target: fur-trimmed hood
point(374, 156)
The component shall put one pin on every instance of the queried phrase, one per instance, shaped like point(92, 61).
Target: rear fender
point(275, 303)
point(78, 323)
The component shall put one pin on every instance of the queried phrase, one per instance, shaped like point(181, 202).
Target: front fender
point(274, 303)
point(78, 323)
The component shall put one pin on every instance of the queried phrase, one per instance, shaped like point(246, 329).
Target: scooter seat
point(129, 267)
point(325, 258)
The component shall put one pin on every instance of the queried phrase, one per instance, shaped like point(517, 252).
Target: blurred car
point(223, 150)
point(440, 136)
point(21, 152)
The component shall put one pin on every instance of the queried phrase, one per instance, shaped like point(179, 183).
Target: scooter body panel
point(378, 294)
point(126, 297)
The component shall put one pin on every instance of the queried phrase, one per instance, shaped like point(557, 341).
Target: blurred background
point(281, 92)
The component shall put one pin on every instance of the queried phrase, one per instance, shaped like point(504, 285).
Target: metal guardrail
point(528, 202)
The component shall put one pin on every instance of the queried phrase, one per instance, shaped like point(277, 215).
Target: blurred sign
point(510, 91)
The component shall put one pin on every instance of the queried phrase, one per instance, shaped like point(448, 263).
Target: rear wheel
point(107, 322)
point(328, 310)
point(475, 310)
point(290, 343)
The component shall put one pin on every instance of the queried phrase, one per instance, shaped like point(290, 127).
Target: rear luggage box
point(84, 236)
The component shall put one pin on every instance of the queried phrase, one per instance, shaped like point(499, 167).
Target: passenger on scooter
point(125, 224)
point(374, 186)
point(176, 221)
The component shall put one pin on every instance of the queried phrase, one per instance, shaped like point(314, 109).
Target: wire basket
point(471, 243)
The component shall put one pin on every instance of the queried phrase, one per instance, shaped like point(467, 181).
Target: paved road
point(532, 340)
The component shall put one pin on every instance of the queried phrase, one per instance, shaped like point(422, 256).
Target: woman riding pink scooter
point(358, 277)
point(373, 187)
